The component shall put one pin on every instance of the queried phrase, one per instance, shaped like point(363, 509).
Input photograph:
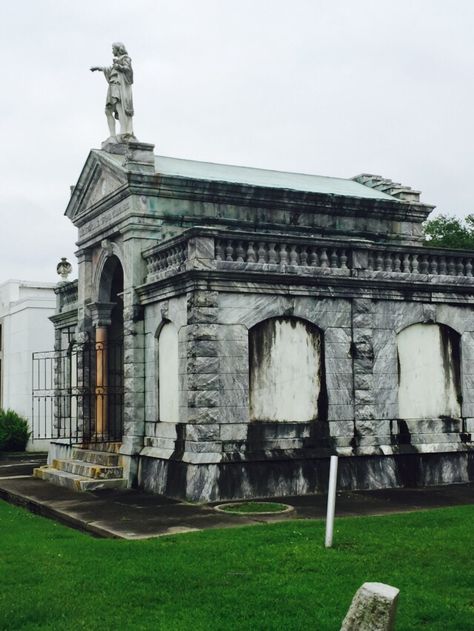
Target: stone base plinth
point(248, 479)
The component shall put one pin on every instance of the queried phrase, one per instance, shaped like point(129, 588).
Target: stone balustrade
point(280, 253)
point(419, 263)
point(276, 254)
point(162, 259)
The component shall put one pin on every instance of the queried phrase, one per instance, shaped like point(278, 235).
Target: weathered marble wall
point(221, 448)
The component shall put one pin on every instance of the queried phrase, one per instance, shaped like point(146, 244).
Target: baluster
point(293, 255)
point(283, 254)
point(378, 262)
point(388, 262)
point(414, 263)
point(343, 259)
point(303, 255)
point(323, 259)
point(433, 265)
point(251, 258)
point(451, 266)
point(229, 251)
point(176, 255)
point(313, 256)
point(261, 252)
point(468, 267)
point(460, 267)
point(333, 262)
point(406, 264)
point(169, 258)
point(442, 265)
point(272, 255)
point(397, 262)
point(424, 267)
point(219, 250)
point(240, 252)
point(370, 261)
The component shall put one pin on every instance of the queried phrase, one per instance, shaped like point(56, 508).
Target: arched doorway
point(109, 354)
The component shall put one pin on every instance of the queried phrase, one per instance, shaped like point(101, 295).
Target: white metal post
point(331, 501)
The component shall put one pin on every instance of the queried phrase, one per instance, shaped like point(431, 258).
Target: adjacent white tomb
point(25, 308)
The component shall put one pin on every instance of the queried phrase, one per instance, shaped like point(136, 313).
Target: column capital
point(101, 313)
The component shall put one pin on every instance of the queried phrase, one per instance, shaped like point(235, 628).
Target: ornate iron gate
point(69, 403)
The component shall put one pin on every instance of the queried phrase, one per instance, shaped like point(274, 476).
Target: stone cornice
point(65, 318)
point(265, 197)
point(324, 285)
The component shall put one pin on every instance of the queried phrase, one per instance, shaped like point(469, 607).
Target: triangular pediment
point(100, 178)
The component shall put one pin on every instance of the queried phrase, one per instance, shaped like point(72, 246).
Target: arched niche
point(286, 371)
point(428, 372)
point(111, 291)
point(168, 374)
point(109, 357)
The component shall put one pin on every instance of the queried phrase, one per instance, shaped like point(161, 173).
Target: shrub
point(14, 432)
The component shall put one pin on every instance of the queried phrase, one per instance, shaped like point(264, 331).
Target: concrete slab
point(20, 464)
point(133, 514)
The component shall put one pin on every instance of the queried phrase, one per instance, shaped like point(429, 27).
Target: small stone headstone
point(373, 608)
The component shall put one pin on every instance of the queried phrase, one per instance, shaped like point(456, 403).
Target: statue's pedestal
point(139, 156)
point(118, 144)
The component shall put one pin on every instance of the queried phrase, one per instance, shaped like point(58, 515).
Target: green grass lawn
point(276, 576)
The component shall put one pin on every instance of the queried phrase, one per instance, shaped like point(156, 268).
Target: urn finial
point(64, 268)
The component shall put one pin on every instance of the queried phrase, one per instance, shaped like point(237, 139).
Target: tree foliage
point(450, 232)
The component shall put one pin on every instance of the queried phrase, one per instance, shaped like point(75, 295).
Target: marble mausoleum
point(231, 328)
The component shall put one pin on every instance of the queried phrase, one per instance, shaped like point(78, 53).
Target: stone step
point(87, 470)
point(104, 458)
point(112, 447)
point(77, 482)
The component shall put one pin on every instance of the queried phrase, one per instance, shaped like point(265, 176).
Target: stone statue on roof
point(119, 102)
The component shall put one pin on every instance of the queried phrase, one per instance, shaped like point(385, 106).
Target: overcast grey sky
point(333, 87)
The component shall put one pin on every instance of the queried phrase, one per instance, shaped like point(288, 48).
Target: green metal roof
point(263, 177)
point(210, 171)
